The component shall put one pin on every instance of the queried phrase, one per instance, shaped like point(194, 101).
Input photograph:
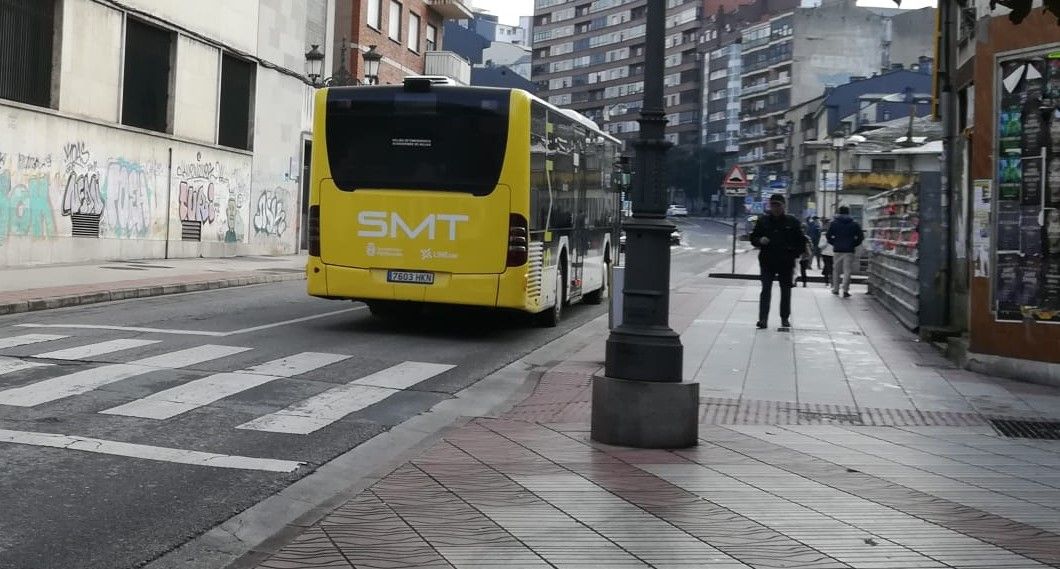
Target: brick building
point(403, 32)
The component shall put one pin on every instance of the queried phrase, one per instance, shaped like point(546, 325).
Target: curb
point(63, 301)
point(250, 537)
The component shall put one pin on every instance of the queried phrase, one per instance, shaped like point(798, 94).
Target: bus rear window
point(449, 138)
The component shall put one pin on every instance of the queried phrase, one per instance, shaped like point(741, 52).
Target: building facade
point(404, 32)
point(590, 57)
point(154, 130)
point(789, 59)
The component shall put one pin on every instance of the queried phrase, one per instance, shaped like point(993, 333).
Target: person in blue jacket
point(844, 235)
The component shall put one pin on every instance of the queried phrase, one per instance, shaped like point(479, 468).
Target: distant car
point(675, 239)
point(677, 211)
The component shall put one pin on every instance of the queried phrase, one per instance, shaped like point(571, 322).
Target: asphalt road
point(138, 425)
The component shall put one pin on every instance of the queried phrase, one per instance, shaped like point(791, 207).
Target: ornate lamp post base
point(645, 414)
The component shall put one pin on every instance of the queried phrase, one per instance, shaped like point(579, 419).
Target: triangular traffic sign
point(735, 178)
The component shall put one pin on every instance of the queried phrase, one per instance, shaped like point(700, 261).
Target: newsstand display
point(904, 235)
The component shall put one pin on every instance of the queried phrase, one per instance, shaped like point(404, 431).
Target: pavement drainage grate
point(848, 418)
point(1027, 429)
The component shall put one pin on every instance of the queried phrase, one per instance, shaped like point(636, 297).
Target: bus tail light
point(518, 240)
point(313, 229)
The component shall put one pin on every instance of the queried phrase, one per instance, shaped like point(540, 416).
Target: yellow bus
point(431, 193)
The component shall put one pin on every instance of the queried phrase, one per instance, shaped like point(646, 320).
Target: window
point(374, 14)
point(446, 140)
point(432, 38)
point(394, 23)
point(414, 32)
point(146, 85)
point(883, 165)
point(237, 103)
point(27, 28)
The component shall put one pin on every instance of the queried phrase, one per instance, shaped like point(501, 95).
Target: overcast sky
point(508, 11)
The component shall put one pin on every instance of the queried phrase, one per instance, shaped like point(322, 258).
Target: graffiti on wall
point(128, 196)
point(270, 214)
point(82, 194)
point(198, 191)
point(25, 204)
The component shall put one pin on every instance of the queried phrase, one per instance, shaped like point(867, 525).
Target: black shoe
point(761, 325)
point(846, 295)
point(835, 292)
point(785, 324)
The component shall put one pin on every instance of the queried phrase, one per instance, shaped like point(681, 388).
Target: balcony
point(450, 9)
point(876, 181)
point(448, 64)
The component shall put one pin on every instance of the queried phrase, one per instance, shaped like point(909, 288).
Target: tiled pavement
point(843, 443)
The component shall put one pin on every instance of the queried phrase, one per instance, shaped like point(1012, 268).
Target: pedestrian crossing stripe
point(83, 381)
point(98, 349)
point(163, 454)
point(325, 408)
point(192, 395)
point(302, 417)
point(27, 339)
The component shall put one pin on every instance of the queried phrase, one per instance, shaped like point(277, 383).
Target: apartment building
point(408, 34)
point(589, 56)
point(794, 56)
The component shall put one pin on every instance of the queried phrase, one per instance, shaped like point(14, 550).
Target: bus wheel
point(597, 296)
point(551, 317)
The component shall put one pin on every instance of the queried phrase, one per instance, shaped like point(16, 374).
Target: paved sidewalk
point(54, 286)
point(842, 443)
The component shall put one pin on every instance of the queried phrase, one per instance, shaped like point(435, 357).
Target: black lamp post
point(314, 62)
point(641, 400)
point(371, 65)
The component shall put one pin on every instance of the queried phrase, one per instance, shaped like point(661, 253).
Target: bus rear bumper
point(489, 290)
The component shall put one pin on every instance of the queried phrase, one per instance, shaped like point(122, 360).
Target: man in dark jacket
point(845, 235)
point(780, 241)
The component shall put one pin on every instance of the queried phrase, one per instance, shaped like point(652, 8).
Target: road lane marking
point(195, 394)
point(87, 380)
point(723, 250)
point(193, 332)
point(26, 339)
point(11, 365)
point(97, 349)
point(705, 250)
point(325, 408)
point(163, 454)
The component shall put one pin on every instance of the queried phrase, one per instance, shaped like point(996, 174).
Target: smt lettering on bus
point(387, 224)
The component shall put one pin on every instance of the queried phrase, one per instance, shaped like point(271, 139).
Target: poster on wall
point(1052, 179)
point(1007, 286)
point(1008, 226)
point(1030, 232)
point(1010, 177)
point(981, 227)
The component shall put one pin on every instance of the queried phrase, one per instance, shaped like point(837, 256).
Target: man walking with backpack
point(780, 241)
point(844, 235)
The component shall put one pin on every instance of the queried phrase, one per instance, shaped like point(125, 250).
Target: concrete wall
point(232, 22)
point(52, 167)
point(831, 44)
point(78, 162)
point(91, 64)
point(912, 36)
point(197, 75)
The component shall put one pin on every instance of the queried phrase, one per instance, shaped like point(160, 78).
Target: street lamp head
point(839, 139)
point(314, 63)
point(371, 64)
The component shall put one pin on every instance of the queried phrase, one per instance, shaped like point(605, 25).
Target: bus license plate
point(414, 277)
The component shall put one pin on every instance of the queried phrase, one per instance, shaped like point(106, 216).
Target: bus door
point(580, 231)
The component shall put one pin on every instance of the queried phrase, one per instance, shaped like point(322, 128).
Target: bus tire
point(551, 317)
point(597, 296)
